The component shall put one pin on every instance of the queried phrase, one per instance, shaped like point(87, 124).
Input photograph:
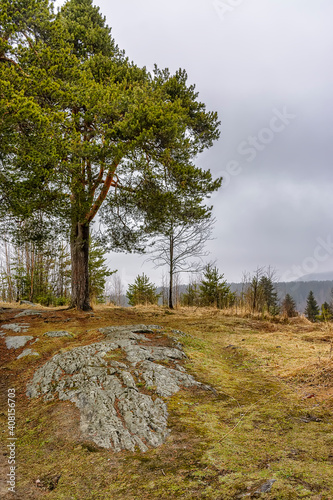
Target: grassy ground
point(270, 417)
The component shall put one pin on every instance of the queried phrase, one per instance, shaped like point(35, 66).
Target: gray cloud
point(263, 55)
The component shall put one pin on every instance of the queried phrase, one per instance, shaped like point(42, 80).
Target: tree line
point(42, 274)
point(258, 295)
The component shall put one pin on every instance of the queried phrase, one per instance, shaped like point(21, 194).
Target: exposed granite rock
point(182, 334)
point(60, 333)
point(28, 303)
point(27, 352)
point(16, 327)
point(17, 342)
point(114, 413)
point(135, 353)
point(28, 312)
point(166, 381)
point(266, 487)
point(134, 332)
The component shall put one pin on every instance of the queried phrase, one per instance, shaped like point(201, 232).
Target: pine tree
point(214, 291)
point(98, 271)
point(268, 295)
point(326, 312)
point(288, 307)
point(312, 309)
point(142, 292)
point(192, 295)
point(259, 291)
point(116, 129)
point(252, 291)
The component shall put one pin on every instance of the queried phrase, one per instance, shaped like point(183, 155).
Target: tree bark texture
point(80, 269)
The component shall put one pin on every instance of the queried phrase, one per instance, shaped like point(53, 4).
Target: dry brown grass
point(270, 418)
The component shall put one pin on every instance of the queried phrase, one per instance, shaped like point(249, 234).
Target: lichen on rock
point(16, 327)
point(28, 312)
point(114, 412)
point(58, 333)
point(18, 341)
point(27, 352)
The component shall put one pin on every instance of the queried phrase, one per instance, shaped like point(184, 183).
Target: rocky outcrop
point(27, 352)
point(17, 342)
point(28, 312)
point(118, 385)
point(27, 303)
point(60, 333)
point(16, 327)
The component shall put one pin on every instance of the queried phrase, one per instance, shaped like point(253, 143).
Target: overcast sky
point(265, 66)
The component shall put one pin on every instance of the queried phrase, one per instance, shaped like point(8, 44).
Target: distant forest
point(299, 290)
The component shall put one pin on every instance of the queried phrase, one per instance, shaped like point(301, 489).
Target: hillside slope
point(264, 428)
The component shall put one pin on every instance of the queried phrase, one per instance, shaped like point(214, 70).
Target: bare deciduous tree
point(258, 290)
point(180, 243)
point(116, 290)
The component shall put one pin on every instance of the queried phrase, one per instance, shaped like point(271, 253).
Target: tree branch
point(7, 59)
point(102, 195)
point(97, 181)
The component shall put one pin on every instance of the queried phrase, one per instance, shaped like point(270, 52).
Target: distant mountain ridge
point(324, 276)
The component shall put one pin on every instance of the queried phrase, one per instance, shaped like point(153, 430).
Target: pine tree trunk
point(80, 270)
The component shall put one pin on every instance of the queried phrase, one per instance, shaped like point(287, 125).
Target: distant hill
point(325, 276)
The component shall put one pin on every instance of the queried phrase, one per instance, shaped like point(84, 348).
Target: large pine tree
point(82, 127)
